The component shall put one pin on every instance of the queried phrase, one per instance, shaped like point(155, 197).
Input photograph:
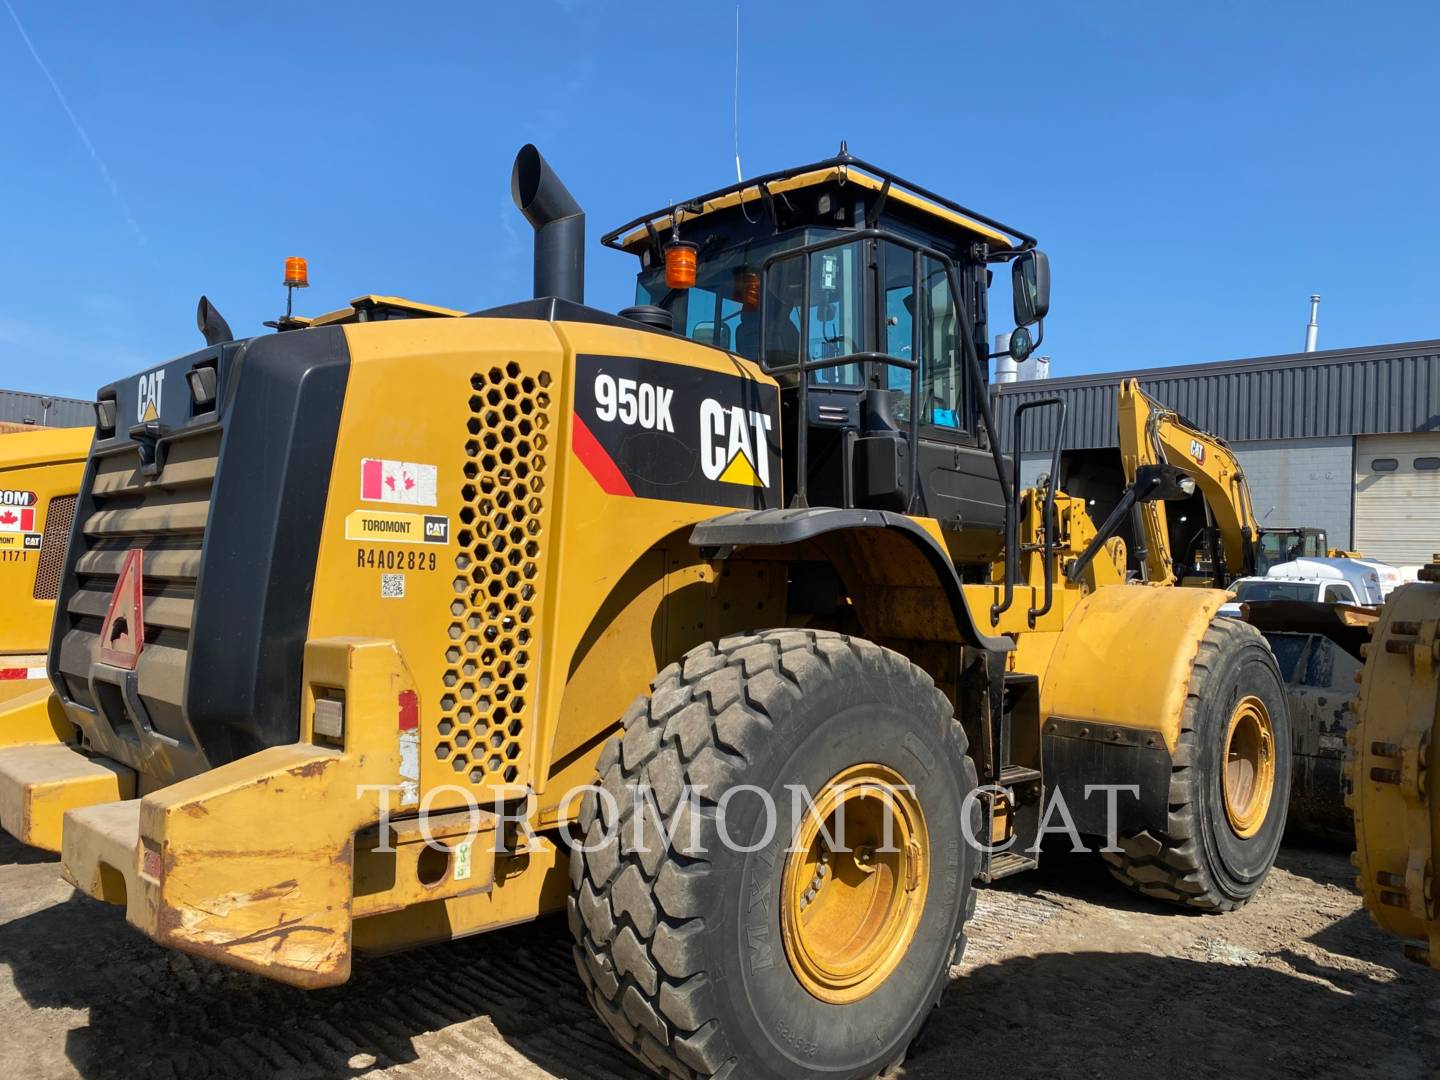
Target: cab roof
point(939, 213)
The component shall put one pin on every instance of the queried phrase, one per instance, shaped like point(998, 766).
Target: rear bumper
point(38, 784)
point(42, 775)
point(272, 864)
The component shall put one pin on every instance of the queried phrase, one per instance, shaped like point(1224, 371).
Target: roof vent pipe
point(1312, 331)
point(559, 226)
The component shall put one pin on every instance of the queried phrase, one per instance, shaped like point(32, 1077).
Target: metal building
point(1346, 439)
point(21, 408)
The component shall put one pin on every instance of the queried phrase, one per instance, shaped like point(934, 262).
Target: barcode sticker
point(392, 586)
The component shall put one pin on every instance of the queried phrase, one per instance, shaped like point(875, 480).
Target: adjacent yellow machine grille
point(490, 678)
point(52, 547)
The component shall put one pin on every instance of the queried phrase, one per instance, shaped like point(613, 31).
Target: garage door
point(1397, 497)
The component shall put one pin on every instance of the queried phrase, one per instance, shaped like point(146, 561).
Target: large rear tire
point(1229, 782)
point(797, 958)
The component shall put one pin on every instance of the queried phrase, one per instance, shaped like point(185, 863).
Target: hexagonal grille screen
point(489, 693)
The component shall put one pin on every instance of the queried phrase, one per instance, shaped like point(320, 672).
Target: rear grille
point(165, 518)
point(58, 516)
point(489, 694)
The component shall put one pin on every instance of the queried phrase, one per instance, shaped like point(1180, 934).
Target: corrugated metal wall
point(63, 412)
point(1384, 388)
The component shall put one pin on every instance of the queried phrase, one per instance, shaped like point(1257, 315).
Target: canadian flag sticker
point(407, 482)
point(17, 520)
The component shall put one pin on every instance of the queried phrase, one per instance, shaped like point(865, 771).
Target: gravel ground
point(1067, 975)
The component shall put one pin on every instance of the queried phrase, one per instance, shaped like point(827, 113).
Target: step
point(38, 784)
point(1003, 864)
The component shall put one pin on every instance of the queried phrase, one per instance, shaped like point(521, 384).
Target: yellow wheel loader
point(1397, 819)
point(40, 472)
point(720, 624)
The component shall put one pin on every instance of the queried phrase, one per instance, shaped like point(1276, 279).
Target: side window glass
point(830, 325)
point(942, 383)
point(834, 319)
point(899, 325)
point(784, 289)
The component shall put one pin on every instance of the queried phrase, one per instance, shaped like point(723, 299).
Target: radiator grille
point(166, 517)
point(51, 564)
point(489, 692)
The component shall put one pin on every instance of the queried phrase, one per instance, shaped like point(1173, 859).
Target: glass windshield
point(1247, 591)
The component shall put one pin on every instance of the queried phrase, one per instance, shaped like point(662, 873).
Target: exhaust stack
point(1312, 331)
point(559, 225)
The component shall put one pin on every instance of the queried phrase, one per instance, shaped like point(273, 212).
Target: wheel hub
point(854, 885)
point(1248, 778)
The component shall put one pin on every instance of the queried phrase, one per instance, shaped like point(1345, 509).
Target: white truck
point(1359, 582)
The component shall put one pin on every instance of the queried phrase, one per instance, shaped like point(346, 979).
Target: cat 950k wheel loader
point(543, 584)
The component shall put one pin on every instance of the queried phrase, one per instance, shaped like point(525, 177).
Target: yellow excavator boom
point(1151, 434)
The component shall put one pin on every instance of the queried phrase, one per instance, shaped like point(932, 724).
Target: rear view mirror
point(1021, 344)
point(1030, 277)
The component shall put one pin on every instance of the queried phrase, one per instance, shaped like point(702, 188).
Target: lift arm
point(1151, 434)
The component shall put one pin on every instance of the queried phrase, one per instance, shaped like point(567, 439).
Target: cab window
point(830, 326)
point(723, 307)
point(899, 265)
point(942, 383)
point(1339, 594)
point(942, 386)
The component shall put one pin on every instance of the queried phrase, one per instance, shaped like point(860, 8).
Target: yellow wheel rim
point(1249, 768)
point(853, 894)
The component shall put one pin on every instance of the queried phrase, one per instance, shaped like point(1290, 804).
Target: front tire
point(1229, 781)
point(771, 964)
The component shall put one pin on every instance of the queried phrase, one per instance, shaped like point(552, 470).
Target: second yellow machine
point(734, 564)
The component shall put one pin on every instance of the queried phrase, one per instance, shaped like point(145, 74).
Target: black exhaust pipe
point(559, 226)
point(211, 323)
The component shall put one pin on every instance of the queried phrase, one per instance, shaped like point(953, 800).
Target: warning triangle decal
point(740, 471)
point(122, 634)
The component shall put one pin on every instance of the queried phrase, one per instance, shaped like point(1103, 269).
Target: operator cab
point(866, 297)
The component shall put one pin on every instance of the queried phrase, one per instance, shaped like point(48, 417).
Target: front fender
point(777, 528)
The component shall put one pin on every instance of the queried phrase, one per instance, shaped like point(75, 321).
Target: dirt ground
point(1067, 976)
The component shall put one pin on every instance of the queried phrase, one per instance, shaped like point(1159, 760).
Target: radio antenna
point(739, 176)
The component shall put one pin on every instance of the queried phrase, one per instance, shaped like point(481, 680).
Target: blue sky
point(1194, 171)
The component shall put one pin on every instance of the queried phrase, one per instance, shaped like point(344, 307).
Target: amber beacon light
point(681, 259)
point(297, 273)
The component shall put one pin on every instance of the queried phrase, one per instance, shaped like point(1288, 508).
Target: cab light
point(105, 412)
point(747, 289)
point(681, 260)
point(202, 382)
